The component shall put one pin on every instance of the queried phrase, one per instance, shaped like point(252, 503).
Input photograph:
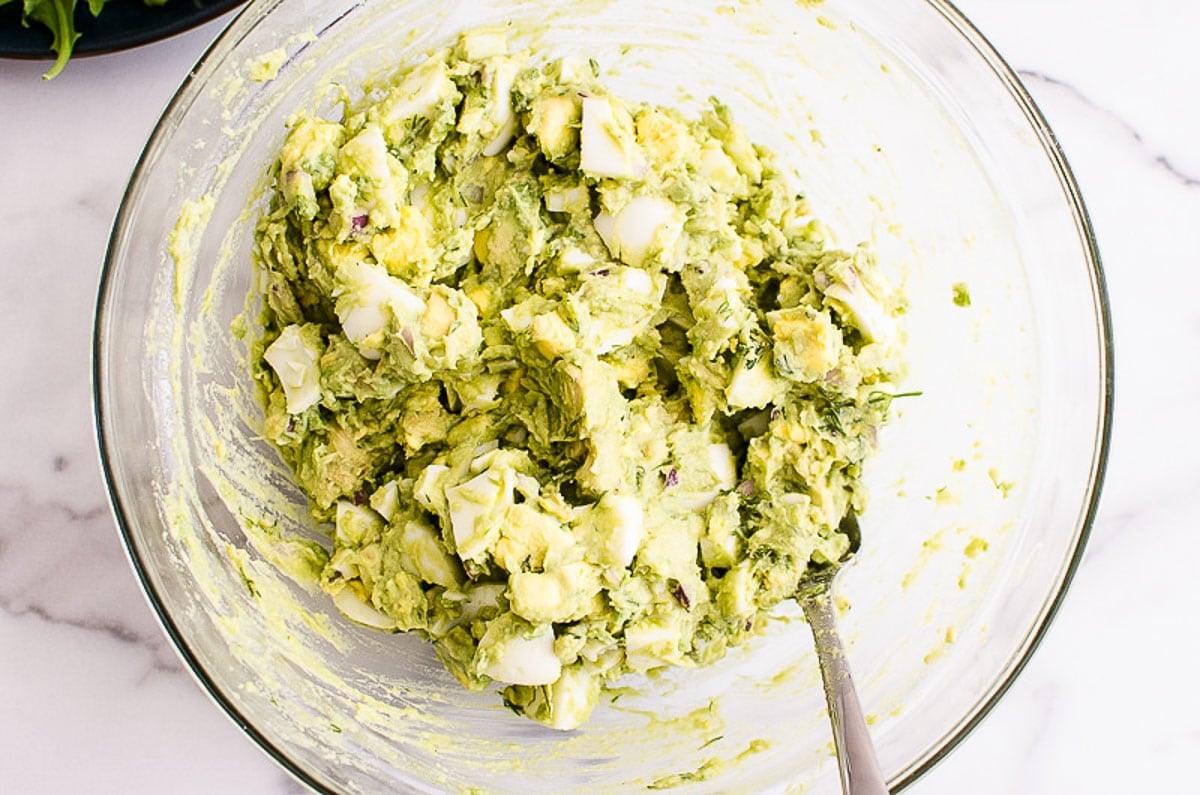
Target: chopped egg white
point(524, 661)
point(607, 144)
point(353, 608)
point(366, 298)
point(297, 364)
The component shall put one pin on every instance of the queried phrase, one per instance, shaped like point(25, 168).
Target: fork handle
point(857, 763)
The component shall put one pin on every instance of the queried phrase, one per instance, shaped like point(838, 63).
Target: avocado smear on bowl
point(575, 380)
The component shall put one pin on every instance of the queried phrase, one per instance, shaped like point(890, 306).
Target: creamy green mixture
point(575, 380)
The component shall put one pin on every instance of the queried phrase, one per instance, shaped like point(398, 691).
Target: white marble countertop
point(94, 698)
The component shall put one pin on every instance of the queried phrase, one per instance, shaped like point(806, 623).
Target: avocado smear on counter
point(576, 380)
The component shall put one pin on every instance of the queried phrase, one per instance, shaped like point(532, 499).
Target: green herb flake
point(1005, 487)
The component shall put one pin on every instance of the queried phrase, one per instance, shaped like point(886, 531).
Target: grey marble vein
point(64, 565)
point(114, 630)
point(1160, 160)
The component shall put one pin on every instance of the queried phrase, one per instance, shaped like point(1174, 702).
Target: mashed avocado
point(575, 381)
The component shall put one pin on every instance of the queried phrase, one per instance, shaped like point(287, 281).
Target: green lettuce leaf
point(59, 17)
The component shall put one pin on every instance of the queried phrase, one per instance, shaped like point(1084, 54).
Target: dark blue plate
point(122, 25)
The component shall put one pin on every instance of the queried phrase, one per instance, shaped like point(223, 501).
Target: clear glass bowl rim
point(258, 10)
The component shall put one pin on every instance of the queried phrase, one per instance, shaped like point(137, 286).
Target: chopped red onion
point(681, 595)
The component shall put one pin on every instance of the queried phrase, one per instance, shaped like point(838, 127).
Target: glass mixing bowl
point(905, 129)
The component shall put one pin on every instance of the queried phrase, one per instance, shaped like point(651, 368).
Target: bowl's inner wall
point(900, 135)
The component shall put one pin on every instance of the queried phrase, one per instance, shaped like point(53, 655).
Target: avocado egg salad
point(574, 381)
